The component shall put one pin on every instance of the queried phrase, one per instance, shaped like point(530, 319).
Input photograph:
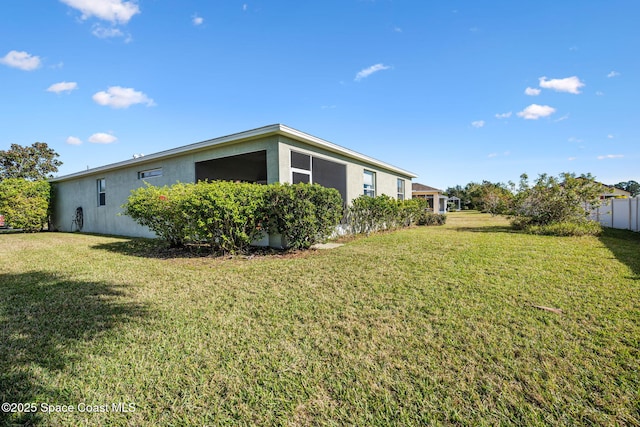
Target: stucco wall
point(386, 181)
point(82, 192)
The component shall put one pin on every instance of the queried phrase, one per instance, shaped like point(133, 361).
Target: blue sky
point(454, 91)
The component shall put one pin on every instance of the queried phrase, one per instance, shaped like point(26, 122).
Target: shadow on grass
point(43, 320)
point(156, 248)
point(489, 229)
point(625, 246)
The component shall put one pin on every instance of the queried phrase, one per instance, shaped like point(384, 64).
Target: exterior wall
point(386, 181)
point(83, 191)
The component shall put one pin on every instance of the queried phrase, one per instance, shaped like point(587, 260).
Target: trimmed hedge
point(303, 214)
point(228, 216)
point(369, 214)
point(25, 204)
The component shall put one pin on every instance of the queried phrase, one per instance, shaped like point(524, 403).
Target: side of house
point(270, 154)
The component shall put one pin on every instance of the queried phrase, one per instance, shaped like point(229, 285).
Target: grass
point(430, 325)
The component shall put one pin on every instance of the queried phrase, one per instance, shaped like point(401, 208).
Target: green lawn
point(430, 325)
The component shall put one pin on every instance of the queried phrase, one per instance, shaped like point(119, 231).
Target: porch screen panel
point(249, 167)
point(300, 178)
point(330, 174)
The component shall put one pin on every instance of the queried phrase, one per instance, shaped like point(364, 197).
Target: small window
point(300, 168)
point(151, 173)
point(369, 183)
point(400, 189)
point(102, 187)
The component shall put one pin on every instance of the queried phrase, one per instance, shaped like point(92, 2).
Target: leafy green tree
point(632, 187)
point(25, 204)
point(33, 163)
point(554, 200)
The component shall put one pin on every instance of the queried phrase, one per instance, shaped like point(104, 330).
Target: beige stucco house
point(435, 197)
point(269, 154)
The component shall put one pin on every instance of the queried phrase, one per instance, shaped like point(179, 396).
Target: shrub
point(411, 210)
point(368, 214)
point(566, 228)
point(303, 214)
point(160, 209)
point(430, 218)
point(227, 216)
point(25, 204)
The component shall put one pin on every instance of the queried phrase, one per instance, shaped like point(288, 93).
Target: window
point(400, 189)
point(150, 173)
point(369, 183)
point(102, 186)
point(300, 168)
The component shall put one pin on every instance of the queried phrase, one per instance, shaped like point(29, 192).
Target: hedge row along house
point(91, 200)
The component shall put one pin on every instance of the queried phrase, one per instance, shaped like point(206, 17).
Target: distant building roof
point(425, 188)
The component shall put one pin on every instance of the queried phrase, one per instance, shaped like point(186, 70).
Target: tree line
point(25, 193)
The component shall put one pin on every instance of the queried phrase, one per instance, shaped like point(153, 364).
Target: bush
point(430, 218)
point(303, 214)
point(25, 204)
point(411, 210)
point(160, 209)
point(368, 214)
point(228, 216)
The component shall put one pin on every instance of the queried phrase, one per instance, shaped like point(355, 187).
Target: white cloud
point(570, 84)
point(477, 123)
point(503, 115)
point(122, 97)
point(611, 156)
point(114, 11)
point(102, 138)
point(574, 139)
point(73, 140)
point(62, 87)
point(397, 29)
point(561, 119)
point(245, 7)
point(531, 91)
point(535, 111)
point(492, 155)
point(613, 74)
point(106, 32)
point(197, 20)
point(22, 60)
point(610, 136)
point(572, 159)
point(599, 93)
point(368, 71)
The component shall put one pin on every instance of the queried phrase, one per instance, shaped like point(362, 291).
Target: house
point(92, 200)
point(432, 195)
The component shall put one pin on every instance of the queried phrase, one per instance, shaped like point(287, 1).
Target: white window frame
point(369, 191)
point(101, 185)
point(150, 173)
point(400, 195)
point(300, 171)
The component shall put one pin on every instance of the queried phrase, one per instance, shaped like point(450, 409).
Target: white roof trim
point(277, 129)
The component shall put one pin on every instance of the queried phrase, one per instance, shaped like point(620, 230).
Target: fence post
point(630, 226)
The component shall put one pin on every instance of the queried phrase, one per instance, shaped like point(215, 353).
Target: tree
point(555, 200)
point(25, 204)
point(33, 163)
point(631, 186)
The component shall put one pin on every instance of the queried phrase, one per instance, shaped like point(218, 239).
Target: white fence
point(619, 213)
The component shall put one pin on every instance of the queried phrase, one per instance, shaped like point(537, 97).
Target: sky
point(453, 91)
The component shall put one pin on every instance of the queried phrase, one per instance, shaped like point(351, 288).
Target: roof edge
point(274, 129)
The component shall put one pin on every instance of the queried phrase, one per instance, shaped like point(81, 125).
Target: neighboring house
point(269, 154)
point(434, 196)
point(612, 192)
